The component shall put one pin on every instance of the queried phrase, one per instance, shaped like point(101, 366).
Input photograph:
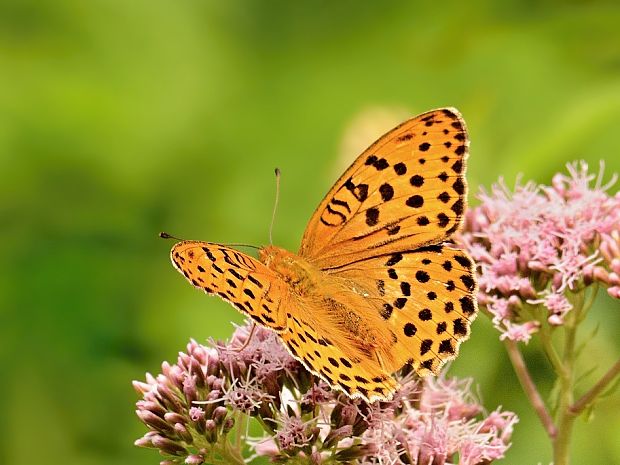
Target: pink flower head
point(293, 433)
point(192, 406)
point(537, 243)
point(445, 423)
point(519, 332)
point(452, 396)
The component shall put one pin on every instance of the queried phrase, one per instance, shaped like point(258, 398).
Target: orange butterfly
point(374, 285)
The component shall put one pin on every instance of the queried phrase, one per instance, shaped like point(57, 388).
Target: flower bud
point(197, 374)
point(144, 441)
point(168, 398)
point(184, 360)
point(356, 451)
point(168, 446)
point(140, 387)
point(614, 292)
point(213, 363)
point(315, 458)
point(163, 380)
point(348, 415)
point(173, 417)
point(336, 415)
point(183, 433)
point(219, 414)
point(555, 320)
point(198, 351)
point(197, 415)
point(228, 425)
point(165, 369)
point(177, 376)
point(526, 290)
point(211, 430)
point(189, 389)
point(154, 421)
point(194, 459)
point(211, 380)
point(335, 435)
point(152, 406)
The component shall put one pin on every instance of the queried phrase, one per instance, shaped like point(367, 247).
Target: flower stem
point(564, 418)
point(529, 387)
point(231, 455)
point(550, 351)
point(596, 390)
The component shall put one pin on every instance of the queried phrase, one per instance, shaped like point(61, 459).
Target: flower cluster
point(199, 411)
point(540, 246)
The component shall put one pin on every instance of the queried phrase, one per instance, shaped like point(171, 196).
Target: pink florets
point(193, 405)
point(445, 423)
point(538, 244)
point(519, 332)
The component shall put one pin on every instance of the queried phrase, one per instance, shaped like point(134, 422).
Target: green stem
point(230, 455)
point(547, 344)
point(593, 292)
point(596, 390)
point(564, 418)
point(529, 387)
point(241, 421)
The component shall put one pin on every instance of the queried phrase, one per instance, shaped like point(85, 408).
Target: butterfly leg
point(247, 341)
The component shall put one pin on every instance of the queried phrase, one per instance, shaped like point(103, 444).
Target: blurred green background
point(119, 119)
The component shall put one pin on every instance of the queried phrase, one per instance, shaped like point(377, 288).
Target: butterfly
point(377, 284)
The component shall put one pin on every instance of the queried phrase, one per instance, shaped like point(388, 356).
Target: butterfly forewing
point(246, 283)
point(405, 191)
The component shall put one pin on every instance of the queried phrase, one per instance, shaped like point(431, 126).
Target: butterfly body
point(376, 284)
point(299, 274)
point(329, 301)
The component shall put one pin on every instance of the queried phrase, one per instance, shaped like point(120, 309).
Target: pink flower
point(557, 304)
point(519, 332)
point(294, 433)
point(191, 407)
point(536, 243)
point(446, 422)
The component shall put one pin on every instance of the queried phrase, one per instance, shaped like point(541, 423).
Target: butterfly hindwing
point(427, 298)
point(246, 283)
point(405, 191)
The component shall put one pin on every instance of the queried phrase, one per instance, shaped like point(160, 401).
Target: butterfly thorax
point(294, 270)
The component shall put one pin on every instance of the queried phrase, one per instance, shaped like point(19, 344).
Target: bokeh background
point(119, 119)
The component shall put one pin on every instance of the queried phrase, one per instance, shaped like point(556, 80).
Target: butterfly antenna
point(275, 205)
point(242, 245)
point(165, 235)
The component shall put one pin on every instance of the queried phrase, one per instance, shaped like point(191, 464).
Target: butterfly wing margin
point(406, 190)
point(426, 296)
point(237, 278)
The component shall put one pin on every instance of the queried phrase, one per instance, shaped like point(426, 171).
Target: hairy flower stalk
point(200, 410)
point(542, 253)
